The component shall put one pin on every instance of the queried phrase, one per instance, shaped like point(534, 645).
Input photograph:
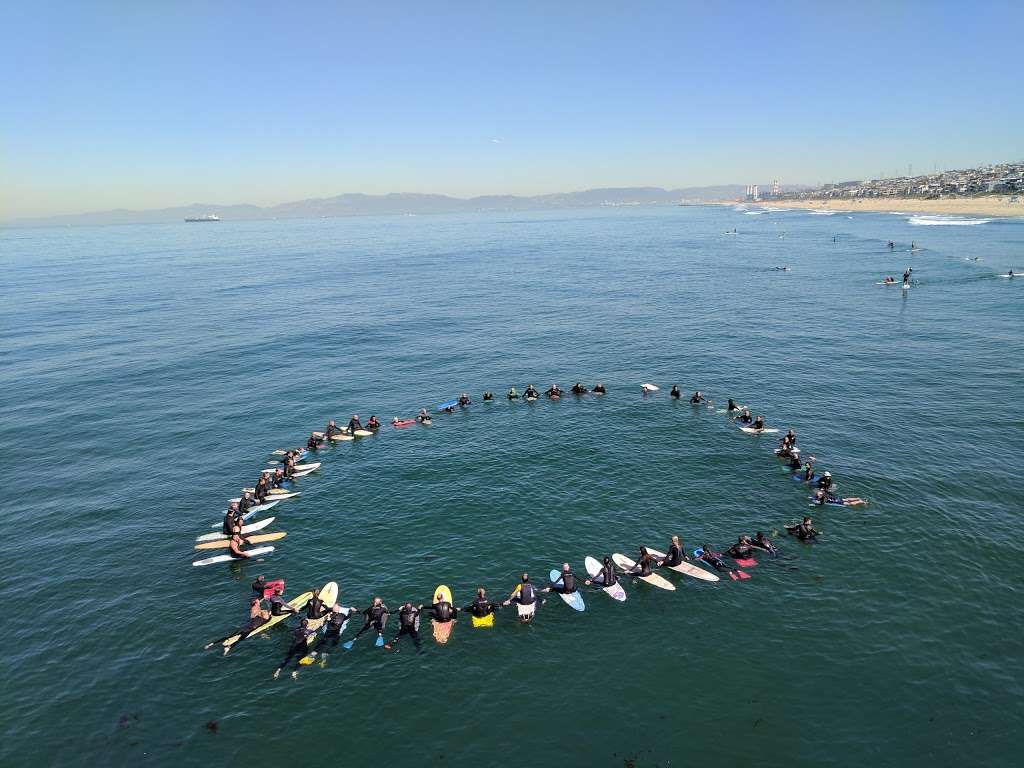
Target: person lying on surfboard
point(803, 531)
point(675, 394)
point(578, 389)
point(712, 558)
point(372, 424)
point(598, 389)
point(481, 606)
point(408, 619)
point(698, 397)
point(675, 554)
point(606, 576)
point(512, 394)
point(822, 497)
point(762, 542)
point(568, 585)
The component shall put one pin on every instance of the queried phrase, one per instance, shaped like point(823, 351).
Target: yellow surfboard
point(442, 629)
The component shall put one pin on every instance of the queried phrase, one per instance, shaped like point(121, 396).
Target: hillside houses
point(1006, 178)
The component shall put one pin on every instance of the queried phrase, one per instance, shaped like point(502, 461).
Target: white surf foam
point(945, 221)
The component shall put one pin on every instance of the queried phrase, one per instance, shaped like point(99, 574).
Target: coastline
point(958, 206)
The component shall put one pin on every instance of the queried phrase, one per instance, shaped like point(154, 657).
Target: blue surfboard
point(448, 404)
point(575, 600)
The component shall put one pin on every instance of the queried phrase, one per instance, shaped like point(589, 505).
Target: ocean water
point(148, 371)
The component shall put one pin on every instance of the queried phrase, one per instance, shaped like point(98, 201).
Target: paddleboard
point(688, 568)
point(650, 387)
point(298, 603)
point(486, 621)
point(654, 579)
point(259, 525)
point(442, 629)
point(448, 404)
point(259, 538)
point(593, 568)
point(752, 431)
point(575, 600)
point(525, 612)
point(228, 558)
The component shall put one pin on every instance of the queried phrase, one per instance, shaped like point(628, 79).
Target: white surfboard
point(615, 590)
point(337, 438)
point(229, 558)
point(688, 568)
point(274, 498)
point(259, 525)
point(752, 431)
point(654, 579)
point(650, 387)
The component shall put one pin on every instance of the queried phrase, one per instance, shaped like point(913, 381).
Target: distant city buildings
point(1006, 178)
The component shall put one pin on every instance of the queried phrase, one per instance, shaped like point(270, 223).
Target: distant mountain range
point(400, 203)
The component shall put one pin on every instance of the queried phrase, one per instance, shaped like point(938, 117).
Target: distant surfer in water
point(803, 531)
point(278, 607)
point(732, 406)
point(554, 391)
point(235, 544)
point(423, 417)
point(762, 542)
point(823, 497)
point(464, 400)
point(745, 417)
point(675, 394)
point(891, 245)
point(741, 549)
point(373, 424)
point(332, 429)
point(698, 397)
point(599, 388)
point(825, 483)
point(334, 626)
point(758, 424)
point(714, 559)
point(579, 389)
point(906, 276)
point(568, 585)
point(645, 565)
point(313, 443)
point(512, 394)
point(530, 392)
point(488, 395)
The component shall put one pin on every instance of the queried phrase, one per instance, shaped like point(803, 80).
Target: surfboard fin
point(380, 641)
point(347, 645)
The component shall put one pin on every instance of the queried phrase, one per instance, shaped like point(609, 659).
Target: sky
point(155, 104)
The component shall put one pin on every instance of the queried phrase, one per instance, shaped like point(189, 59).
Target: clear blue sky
point(147, 104)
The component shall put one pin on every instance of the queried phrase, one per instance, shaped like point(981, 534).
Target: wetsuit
point(554, 392)
point(376, 617)
point(607, 575)
point(373, 425)
point(332, 429)
point(732, 406)
point(464, 401)
point(289, 469)
point(742, 551)
point(568, 585)
point(488, 396)
point(261, 489)
point(758, 424)
point(481, 607)
point(599, 390)
point(334, 625)
point(408, 624)
point(579, 389)
point(696, 399)
point(713, 559)
point(794, 462)
point(675, 394)
point(645, 567)
point(675, 556)
point(258, 587)
point(316, 608)
point(231, 519)
point(354, 424)
point(766, 545)
point(244, 505)
point(443, 611)
point(424, 419)
point(277, 481)
point(824, 483)
point(746, 419)
point(531, 393)
point(278, 607)
point(802, 531)
point(299, 646)
point(312, 444)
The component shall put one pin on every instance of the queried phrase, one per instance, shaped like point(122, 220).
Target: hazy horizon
point(117, 106)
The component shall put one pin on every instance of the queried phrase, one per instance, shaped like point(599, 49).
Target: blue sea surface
point(149, 371)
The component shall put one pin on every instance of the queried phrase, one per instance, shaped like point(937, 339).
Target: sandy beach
point(961, 206)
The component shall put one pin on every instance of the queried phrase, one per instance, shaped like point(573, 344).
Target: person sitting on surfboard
point(277, 480)
point(408, 624)
point(258, 615)
point(598, 389)
point(745, 417)
point(512, 394)
point(488, 395)
point(442, 611)
point(698, 397)
point(245, 503)
point(332, 430)
point(554, 391)
point(579, 389)
point(530, 391)
point(235, 544)
point(675, 554)
point(794, 460)
point(741, 549)
point(316, 608)
point(762, 542)
point(481, 607)
point(606, 576)
point(568, 585)
point(372, 424)
point(758, 424)
point(232, 519)
point(289, 468)
point(354, 424)
point(803, 531)
point(278, 607)
point(262, 488)
point(644, 565)
point(376, 615)
point(527, 594)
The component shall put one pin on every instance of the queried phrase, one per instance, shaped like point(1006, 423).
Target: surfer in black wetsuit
point(803, 531)
point(512, 394)
point(762, 542)
point(334, 625)
point(423, 417)
point(376, 616)
point(530, 391)
point(354, 424)
point(824, 497)
point(598, 389)
point(278, 607)
point(643, 566)
point(579, 389)
point(277, 480)
point(316, 608)
point(758, 424)
point(298, 648)
point(712, 558)
point(232, 520)
point(408, 624)
point(245, 503)
point(675, 394)
point(568, 585)
point(906, 276)
point(464, 400)
point(698, 397)
point(526, 594)
point(488, 395)
point(259, 586)
point(262, 489)
point(332, 430)
point(313, 443)
point(825, 482)
point(605, 577)
point(442, 610)
point(794, 460)
point(481, 607)
point(731, 406)
point(741, 549)
point(675, 554)
point(745, 417)
point(289, 468)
